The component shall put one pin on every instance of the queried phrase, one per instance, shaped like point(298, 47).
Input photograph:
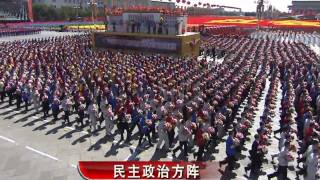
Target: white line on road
point(42, 153)
point(7, 139)
point(74, 166)
point(70, 128)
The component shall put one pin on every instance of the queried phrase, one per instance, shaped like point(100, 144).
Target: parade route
point(36, 148)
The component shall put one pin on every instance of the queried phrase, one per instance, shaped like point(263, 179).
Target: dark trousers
point(66, 116)
point(171, 137)
point(2, 94)
point(147, 134)
point(255, 165)
point(81, 117)
point(281, 173)
point(183, 145)
point(133, 125)
point(123, 126)
point(230, 160)
point(200, 152)
point(45, 112)
point(18, 102)
point(26, 104)
point(55, 115)
point(10, 99)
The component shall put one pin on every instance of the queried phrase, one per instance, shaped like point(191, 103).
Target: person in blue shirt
point(145, 129)
point(25, 96)
point(55, 109)
point(135, 118)
point(230, 151)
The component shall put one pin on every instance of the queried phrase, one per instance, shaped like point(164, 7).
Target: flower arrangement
point(211, 130)
point(206, 136)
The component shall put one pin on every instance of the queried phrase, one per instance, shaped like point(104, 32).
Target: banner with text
point(141, 17)
point(142, 43)
point(149, 170)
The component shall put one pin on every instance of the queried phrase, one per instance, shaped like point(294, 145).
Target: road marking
point(169, 157)
point(42, 153)
point(74, 166)
point(240, 177)
point(7, 139)
point(127, 158)
point(70, 128)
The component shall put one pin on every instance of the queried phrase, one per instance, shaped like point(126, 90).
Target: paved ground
point(34, 148)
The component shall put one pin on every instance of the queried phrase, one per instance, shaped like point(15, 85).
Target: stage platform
point(187, 44)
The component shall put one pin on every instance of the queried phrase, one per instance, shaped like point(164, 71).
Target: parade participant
point(135, 119)
point(183, 136)
point(18, 96)
point(66, 106)
point(36, 100)
point(171, 131)
point(201, 138)
point(109, 119)
point(93, 115)
point(2, 91)
point(45, 106)
point(10, 89)
point(230, 151)
point(284, 158)
point(55, 109)
point(122, 124)
point(255, 156)
point(312, 162)
point(163, 135)
point(26, 97)
point(145, 125)
point(81, 114)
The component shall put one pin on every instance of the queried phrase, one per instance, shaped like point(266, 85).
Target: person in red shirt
point(200, 141)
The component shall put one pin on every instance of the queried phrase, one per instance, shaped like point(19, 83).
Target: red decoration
point(183, 1)
point(199, 3)
point(178, 1)
point(188, 2)
point(195, 5)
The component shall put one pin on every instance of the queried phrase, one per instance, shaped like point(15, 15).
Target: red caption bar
point(146, 170)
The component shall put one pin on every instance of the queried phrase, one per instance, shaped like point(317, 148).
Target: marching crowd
point(166, 97)
point(288, 36)
point(10, 31)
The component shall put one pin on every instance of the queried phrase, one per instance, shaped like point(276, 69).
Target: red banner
point(148, 170)
point(30, 12)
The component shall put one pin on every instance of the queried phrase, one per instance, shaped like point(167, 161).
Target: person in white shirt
point(284, 158)
point(183, 136)
point(163, 135)
point(313, 165)
point(109, 119)
point(93, 113)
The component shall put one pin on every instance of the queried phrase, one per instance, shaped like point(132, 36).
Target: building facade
point(72, 3)
point(107, 3)
point(305, 7)
point(15, 10)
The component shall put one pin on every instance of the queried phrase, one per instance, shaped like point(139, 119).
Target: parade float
point(147, 29)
